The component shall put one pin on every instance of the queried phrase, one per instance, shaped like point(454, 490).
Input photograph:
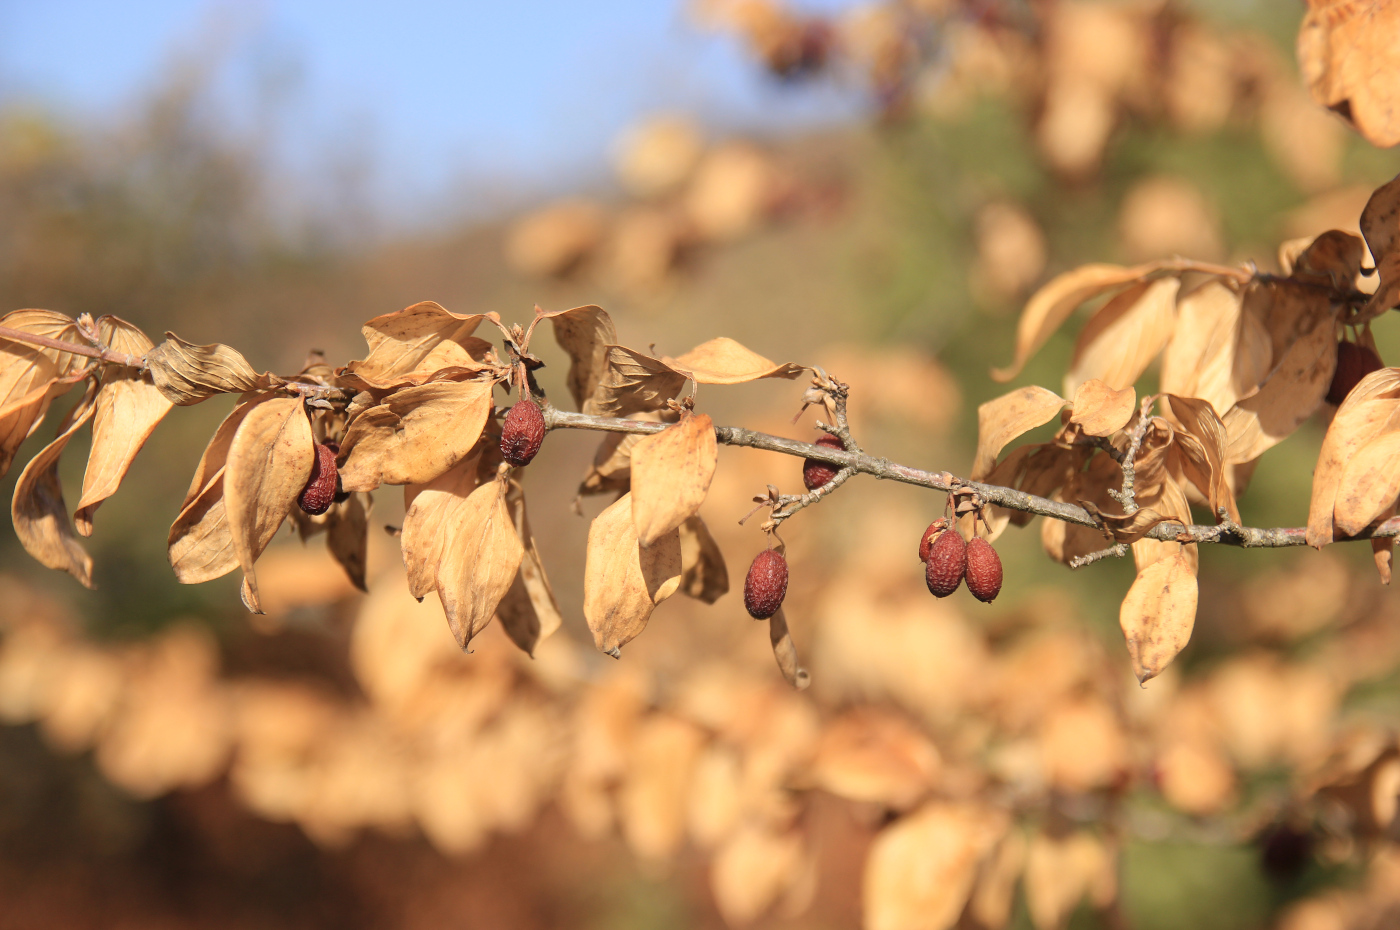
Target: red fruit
point(1354, 362)
point(816, 473)
point(983, 570)
point(947, 561)
point(766, 584)
point(931, 534)
point(522, 433)
point(321, 487)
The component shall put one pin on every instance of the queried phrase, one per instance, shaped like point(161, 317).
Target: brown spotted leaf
point(1370, 411)
point(1349, 53)
point(1050, 306)
point(129, 407)
point(623, 581)
point(528, 612)
point(415, 435)
point(409, 346)
point(1158, 613)
point(31, 377)
point(1217, 352)
point(187, 374)
point(37, 509)
point(480, 559)
point(704, 576)
point(634, 383)
point(724, 361)
point(1123, 337)
point(269, 462)
point(1002, 420)
point(671, 473)
point(585, 333)
point(1370, 484)
point(1099, 410)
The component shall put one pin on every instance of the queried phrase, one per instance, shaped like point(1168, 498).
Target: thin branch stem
point(1246, 537)
point(102, 353)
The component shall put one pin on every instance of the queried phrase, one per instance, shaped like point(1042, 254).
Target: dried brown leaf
point(347, 536)
point(32, 376)
point(1123, 337)
point(612, 463)
point(431, 510)
point(1009, 416)
point(1217, 352)
point(585, 333)
point(409, 346)
point(129, 407)
point(1347, 50)
point(624, 581)
point(269, 462)
point(919, 873)
point(1066, 541)
point(479, 560)
point(753, 870)
point(1370, 484)
point(1099, 410)
point(1061, 871)
point(1371, 410)
point(876, 756)
point(634, 383)
point(671, 473)
point(785, 652)
point(1203, 446)
point(1050, 306)
point(1380, 224)
point(187, 374)
point(415, 435)
point(704, 576)
point(1158, 613)
point(995, 893)
point(37, 509)
point(724, 361)
point(1125, 528)
point(528, 612)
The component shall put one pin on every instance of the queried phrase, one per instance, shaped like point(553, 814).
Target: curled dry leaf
point(1348, 54)
point(585, 333)
point(129, 407)
point(269, 462)
point(1123, 337)
point(671, 473)
point(704, 576)
point(919, 873)
point(724, 361)
point(32, 376)
point(1158, 613)
point(347, 536)
point(187, 374)
point(37, 509)
point(624, 581)
point(1052, 304)
point(1368, 413)
point(1124, 528)
point(479, 560)
point(633, 383)
point(1202, 444)
point(1002, 420)
point(1380, 224)
point(1216, 352)
point(785, 652)
point(409, 346)
point(528, 612)
point(415, 435)
point(1099, 410)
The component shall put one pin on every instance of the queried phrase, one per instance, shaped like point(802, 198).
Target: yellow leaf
point(479, 559)
point(269, 462)
point(1123, 337)
point(919, 873)
point(37, 509)
point(671, 473)
point(415, 435)
point(1099, 410)
point(1009, 416)
point(1158, 613)
point(724, 361)
point(624, 581)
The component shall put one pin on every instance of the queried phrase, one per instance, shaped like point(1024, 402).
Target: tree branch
point(1227, 534)
point(101, 353)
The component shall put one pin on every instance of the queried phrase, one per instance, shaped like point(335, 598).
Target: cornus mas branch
point(1228, 534)
point(101, 353)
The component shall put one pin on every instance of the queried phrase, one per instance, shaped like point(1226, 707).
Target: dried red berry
point(983, 570)
point(321, 487)
point(766, 584)
point(816, 473)
point(931, 534)
point(947, 560)
point(1354, 362)
point(522, 433)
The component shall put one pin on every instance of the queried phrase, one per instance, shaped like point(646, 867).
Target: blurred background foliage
point(895, 251)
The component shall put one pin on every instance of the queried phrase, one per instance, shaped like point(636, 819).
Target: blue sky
point(458, 106)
